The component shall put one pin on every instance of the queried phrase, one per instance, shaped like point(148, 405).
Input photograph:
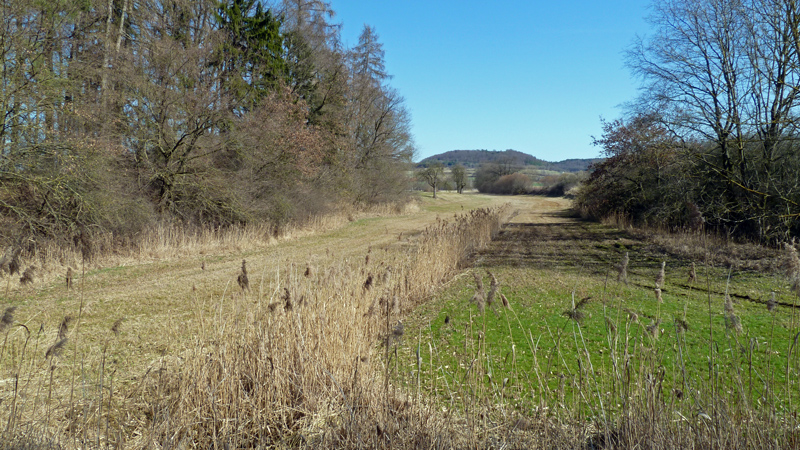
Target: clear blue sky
point(533, 76)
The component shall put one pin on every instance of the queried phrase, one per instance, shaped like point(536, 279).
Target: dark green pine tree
point(252, 60)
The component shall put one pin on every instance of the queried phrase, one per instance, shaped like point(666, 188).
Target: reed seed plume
point(658, 295)
point(732, 321)
point(55, 349)
point(10, 261)
point(368, 283)
point(660, 276)
point(622, 269)
point(505, 301)
point(115, 327)
point(577, 313)
point(287, 299)
point(396, 305)
point(772, 303)
point(728, 304)
point(494, 286)
point(27, 276)
point(68, 277)
point(399, 329)
point(792, 267)
point(582, 303)
point(243, 281)
point(8, 318)
point(84, 241)
point(64, 327)
point(478, 282)
point(632, 315)
point(654, 328)
point(681, 324)
point(479, 300)
point(692, 274)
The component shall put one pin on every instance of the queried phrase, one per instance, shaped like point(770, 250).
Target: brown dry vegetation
point(170, 352)
point(197, 359)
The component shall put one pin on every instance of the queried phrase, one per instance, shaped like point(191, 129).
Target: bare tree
point(458, 173)
point(433, 175)
point(724, 77)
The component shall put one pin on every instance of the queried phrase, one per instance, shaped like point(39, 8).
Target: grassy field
point(168, 350)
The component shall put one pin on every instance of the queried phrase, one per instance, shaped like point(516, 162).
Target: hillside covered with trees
point(472, 159)
point(712, 142)
point(120, 114)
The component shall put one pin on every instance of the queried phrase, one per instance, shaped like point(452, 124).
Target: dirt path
point(548, 235)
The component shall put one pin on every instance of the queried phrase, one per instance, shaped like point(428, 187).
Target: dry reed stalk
point(242, 279)
point(654, 328)
point(64, 327)
point(792, 267)
point(732, 321)
point(479, 298)
point(681, 324)
point(494, 286)
point(771, 303)
point(622, 269)
point(368, 283)
point(658, 295)
point(661, 275)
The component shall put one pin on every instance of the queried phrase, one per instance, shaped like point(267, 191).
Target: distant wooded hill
point(474, 158)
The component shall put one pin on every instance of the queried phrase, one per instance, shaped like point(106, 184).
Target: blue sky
point(533, 76)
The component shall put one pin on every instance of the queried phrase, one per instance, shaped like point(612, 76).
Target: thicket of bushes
point(119, 115)
point(712, 141)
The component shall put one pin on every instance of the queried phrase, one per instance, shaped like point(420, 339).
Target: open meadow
point(468, 321)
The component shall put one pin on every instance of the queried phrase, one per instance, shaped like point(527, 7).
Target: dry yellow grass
point(181, 308)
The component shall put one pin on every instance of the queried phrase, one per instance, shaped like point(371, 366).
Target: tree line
point(712, 141)
point(118, 114)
